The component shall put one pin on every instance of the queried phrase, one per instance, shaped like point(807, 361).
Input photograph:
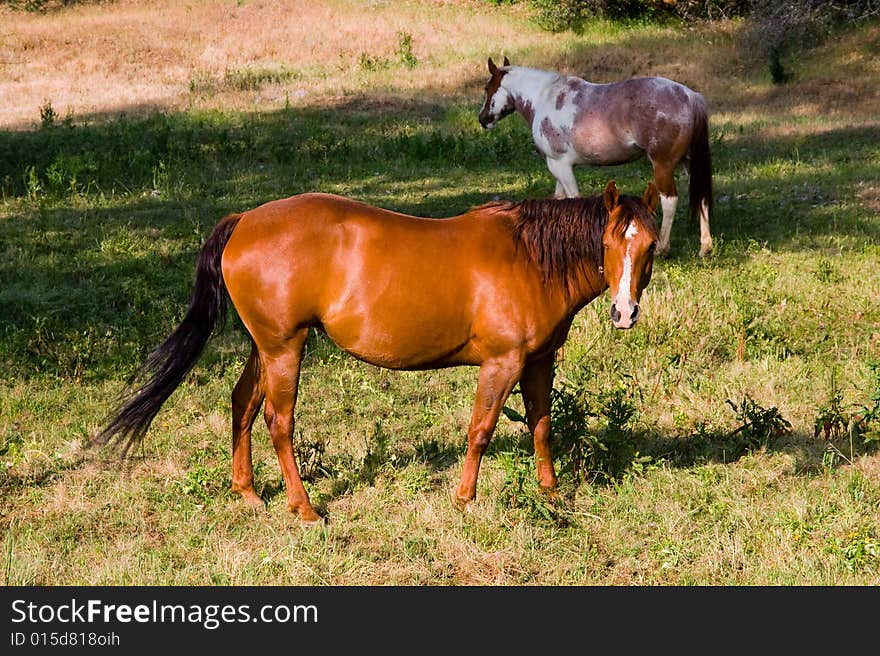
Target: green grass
point(707, 409)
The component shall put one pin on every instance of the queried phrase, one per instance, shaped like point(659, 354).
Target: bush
point(561, 15)
point(778, 29)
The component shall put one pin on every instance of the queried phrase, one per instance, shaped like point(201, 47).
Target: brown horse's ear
point(611, 195)
point(506, 61)
point(651, 197)
point(492, 66)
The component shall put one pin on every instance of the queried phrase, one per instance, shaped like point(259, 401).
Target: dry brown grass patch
point(136, 56)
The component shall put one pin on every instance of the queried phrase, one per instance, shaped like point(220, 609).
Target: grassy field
point(687, 447)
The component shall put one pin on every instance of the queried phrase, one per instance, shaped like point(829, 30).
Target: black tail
point(700, 164)
point(169, 363)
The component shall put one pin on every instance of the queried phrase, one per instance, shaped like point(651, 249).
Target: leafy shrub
point(404, 50)
point(831, 421)
point(859, 425)
point(561, 15)
point(759, 425)
point(865, 424)
point(591, 445)
point(521, 490)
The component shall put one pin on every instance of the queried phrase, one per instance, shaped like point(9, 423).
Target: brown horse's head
point(499, 102)
point(629, 241)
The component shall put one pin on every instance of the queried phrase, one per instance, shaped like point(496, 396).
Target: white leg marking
point(668, 203)
point(560, 190)
point(705, 235)
point(564, 175)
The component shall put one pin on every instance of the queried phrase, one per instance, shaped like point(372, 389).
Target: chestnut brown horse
point(578, 122)
point(496, 287)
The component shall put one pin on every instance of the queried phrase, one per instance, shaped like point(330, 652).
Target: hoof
point(461, 504)
point(551, 492)
point(307, 516)
point(321, 522)
point(252, 499)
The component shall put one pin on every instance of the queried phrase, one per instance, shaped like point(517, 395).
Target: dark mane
point(560, 235)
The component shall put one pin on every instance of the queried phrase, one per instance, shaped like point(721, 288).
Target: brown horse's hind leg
point(246, 400)
point(535, 385)
point(497, 378)
point(664, 178)
point(282, 380)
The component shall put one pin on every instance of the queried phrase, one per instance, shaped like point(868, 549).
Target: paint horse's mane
point(560, 234)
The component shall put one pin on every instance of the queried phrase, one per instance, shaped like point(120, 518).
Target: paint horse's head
point(629, 241)
point(499, 102)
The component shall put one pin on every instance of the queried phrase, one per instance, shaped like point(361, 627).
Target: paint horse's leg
point(560, 190)
point(497, 379)
point(535, 385)
point(705, 235)
point(566, 182)
point(247, 397)
point(282, 381)
point(664, 178)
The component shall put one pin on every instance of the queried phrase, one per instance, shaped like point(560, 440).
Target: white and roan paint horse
point(578, 122)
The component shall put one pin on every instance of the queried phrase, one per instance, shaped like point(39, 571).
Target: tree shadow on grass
point(811, 454)
point(104, 220)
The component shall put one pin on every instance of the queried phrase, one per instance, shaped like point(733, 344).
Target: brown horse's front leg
point(246, 400)
point(535, 385)
point(497, 378)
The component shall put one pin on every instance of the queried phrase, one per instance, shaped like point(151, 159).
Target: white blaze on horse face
point(623, 299)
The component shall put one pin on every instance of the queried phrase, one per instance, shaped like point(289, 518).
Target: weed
point(858, 424)
point(32, 184)
point(203, 481)
point(48, 115)
point(404, 50)
point(759, 425)
point(11, 445)
point(250, 79)
point(864, 424)
point(369, 63)
point(202, 82)
point(831, 420)
point(521, 490)
point(859, 551)
point(310, 457)
point(377, 455)
point(826, 271)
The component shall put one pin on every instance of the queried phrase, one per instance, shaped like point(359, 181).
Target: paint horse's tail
point(168, 364)
point(700, 163)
